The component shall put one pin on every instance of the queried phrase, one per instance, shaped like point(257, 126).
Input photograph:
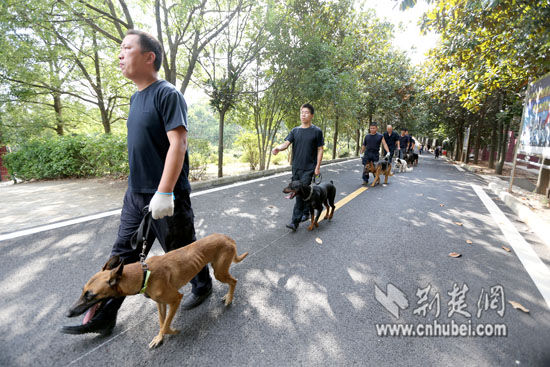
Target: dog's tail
point(238, 259)
point(331, 182)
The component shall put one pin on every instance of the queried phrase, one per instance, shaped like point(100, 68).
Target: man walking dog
point(391, 138)
point(371, 148)
point(307, 153)
point(159, 166)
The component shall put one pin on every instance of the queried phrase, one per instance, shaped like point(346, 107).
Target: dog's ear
point(112, 263)
point(115, 275)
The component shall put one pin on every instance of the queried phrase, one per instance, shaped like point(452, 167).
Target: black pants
point(301, 207)
point(368, 157)
point(172, 232)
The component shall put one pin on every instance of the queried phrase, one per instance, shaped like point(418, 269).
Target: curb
point(524, 213)
point(201, 185)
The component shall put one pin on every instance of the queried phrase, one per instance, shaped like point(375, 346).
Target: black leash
point(141, 235)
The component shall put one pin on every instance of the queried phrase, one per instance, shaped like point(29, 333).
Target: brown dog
point(378, 169)
point(168, 273)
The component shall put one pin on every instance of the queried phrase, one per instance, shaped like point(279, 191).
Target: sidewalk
point(32, 204)
point(531, 208)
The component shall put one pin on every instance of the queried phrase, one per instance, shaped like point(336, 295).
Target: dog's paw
point(171, 331)
point(310, 228)
point(157, 340)
point(227, 299)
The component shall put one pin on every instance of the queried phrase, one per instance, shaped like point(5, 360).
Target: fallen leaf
point(518, 306)
point(455, 254)
point(458, 223)
point(441, 204)
point(319, 241)
point(506, 249)
point(469, 242)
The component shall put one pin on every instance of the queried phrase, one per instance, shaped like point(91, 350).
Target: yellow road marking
point(344, 201)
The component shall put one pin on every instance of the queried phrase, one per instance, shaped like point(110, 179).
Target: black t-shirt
point(154, 111)
point(372, 142)
point(391, 139)
point(304, 146)
point(403, 141)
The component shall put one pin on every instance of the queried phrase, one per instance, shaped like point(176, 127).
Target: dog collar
point(146, 274)
point(310, 193)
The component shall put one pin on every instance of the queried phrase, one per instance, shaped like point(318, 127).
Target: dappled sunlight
point(356, 301)
point(312, 300)
point(357, 276)
point(69, 241)
point(260, 299)
point(324, 348)
point(25, 275)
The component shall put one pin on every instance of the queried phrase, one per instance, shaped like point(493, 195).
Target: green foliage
point(69, 156)
point(200, 152)
point(247, 141)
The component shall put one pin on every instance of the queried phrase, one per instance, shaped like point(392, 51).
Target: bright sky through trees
point(407, 38)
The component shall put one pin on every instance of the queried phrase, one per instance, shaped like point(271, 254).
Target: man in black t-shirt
point(371, 148)
point(159, 166)
point(307, 153)
point(403, 143)
point(392, 139)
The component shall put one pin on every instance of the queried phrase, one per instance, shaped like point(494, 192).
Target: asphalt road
point(304, 298)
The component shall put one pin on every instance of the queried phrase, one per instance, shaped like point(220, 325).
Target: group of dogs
point(171, 271)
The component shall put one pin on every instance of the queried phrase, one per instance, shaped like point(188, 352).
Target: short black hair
point(148, 43)
point(309, 107)
point(373, 123)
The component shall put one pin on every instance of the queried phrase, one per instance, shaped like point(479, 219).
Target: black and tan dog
point(412, 159)
point(317, 196)
point(378, 169)
point(167, 274)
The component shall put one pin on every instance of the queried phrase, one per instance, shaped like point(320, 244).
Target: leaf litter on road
point(518, 306)
point(319, 241)
point(455, 254)
point(506, 249)
point(469, 242)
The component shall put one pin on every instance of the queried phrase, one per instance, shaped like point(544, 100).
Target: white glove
point(387, 155)
point(162, 205)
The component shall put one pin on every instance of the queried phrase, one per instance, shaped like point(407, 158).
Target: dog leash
point(316, 179)
point(141, 237)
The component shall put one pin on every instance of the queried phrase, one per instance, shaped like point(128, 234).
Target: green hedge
point(69, 156)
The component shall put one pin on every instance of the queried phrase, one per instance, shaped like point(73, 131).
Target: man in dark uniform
point(391, 138)
point(403, 143)
point(371, 148)
point(307, 153)
point(159, 166)
point(411, 141)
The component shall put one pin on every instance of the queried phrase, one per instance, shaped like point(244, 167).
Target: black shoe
point(101, 326)
point(193, 300)
point(292, 226)
point(304, 218)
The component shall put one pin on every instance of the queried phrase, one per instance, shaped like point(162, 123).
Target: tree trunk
point(478, 140)
point(504, 142)
point(358, 141)
point(467, 158)
point(59, 128)
point(335, 136)
point(220, 143)
point(493, 143)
